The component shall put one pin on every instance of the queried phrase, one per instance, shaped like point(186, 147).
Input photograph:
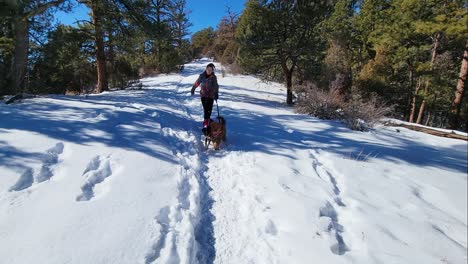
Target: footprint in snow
point(25, 181)
point(98, 169)
point(339, 246)
point(163, 221)
point(271, 228)
point(49, 158)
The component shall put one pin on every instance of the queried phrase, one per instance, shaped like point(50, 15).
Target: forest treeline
point(123, 40)
point(408, 58)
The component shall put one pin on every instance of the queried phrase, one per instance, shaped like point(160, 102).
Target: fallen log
point(429, 131)
point(19, 97)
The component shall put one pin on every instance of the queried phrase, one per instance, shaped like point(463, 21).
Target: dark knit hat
point(211, 65)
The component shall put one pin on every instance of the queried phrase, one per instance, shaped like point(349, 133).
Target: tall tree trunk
point(288, 72)
point(410, 95)
point(288, 75)
point(426, 87)
point(413, 101)
point(421, 111)
point(96, 13)
point(289, 94)
point(19, 68)
point(160, 34)
point(454, 121)
point(20, 65)
point(142, 53)
point(428, 118)
point(111, 71)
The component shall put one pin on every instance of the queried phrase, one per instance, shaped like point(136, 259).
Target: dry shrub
point(235, 69)
point(314, 101)
point(357, 113)
point(363, 113)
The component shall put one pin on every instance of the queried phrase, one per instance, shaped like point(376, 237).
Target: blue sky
point(203, 13)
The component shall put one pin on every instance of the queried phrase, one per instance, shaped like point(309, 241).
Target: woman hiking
point(208, 92)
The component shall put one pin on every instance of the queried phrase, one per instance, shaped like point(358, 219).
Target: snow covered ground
point(123, 177)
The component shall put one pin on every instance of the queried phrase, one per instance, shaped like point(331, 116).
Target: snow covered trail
point(123, 177)
point(290, 188)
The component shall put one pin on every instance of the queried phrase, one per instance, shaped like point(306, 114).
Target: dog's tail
point(221, 120)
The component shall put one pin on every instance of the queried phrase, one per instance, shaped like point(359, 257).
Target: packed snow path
point(123, 177)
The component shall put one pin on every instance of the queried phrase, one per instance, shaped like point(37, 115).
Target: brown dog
point(216, 133)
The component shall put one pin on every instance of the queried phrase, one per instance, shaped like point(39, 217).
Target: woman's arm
point(195, 85)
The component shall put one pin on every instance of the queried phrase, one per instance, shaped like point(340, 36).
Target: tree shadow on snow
point(267, 133)
point(130, 120)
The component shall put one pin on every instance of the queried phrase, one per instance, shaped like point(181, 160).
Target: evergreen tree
point(6, 49)
point(276, 35)
point(179, 23)
point(20, 14)
point(64, 62)
point(202, 42)
point(338, 30)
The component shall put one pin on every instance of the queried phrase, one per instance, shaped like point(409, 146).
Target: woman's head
point(210, 68)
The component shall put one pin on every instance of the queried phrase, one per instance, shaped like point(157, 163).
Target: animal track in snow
point(49, 158)
point(97, 171)
point(271, 228)
point(25, 181)
point(444, 234)
point(338, 248)
point(164, 222)
point(321, 172)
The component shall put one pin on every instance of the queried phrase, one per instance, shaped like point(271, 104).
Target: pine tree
point(6, 49)
point(202, 41)
point(180, 25)
point(445, 22)
point(276, 35)
point(338, 30)
point(64, 64)
point(21, 13)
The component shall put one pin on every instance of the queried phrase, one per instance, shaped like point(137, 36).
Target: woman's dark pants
point(207, 107)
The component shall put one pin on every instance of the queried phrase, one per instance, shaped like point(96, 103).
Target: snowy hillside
point(122, 177)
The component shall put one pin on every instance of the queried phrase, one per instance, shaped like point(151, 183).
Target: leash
point(217, 107)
